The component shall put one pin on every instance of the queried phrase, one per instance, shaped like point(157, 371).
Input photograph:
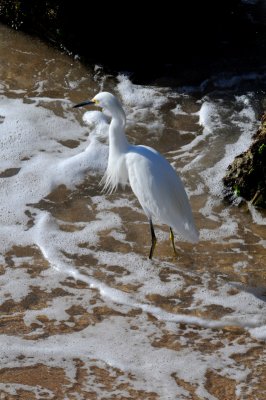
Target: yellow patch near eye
point(95, 101)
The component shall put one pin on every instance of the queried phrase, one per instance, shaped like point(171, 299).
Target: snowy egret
point(158, 188)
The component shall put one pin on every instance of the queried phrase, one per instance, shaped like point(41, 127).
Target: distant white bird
point(158, 188)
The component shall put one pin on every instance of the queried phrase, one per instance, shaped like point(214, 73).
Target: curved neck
point(118, 113)
point(118, 143)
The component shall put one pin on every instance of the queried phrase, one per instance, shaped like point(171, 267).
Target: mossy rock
point(246, 176)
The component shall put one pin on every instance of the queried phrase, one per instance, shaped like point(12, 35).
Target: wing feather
point(160, 191)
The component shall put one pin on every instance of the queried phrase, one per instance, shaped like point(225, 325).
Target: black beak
point(84, 103)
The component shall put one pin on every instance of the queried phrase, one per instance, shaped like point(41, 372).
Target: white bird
point(153, 180)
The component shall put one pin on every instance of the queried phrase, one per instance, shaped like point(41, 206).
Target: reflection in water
point(84, 314)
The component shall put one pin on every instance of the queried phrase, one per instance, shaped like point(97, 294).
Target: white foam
point(257, 217)
point(32, 133)
point(138, 358)
point(224, 231)
point(178, 110)
point(142, 104)
point(245, 121)
point(14, 388)
point(244, 303)
point(14, 278)
point(259, 332)
point(49, 242)
point(140, 96)
point(103, 203)
point(239, 266)
point(209, 116)
point(210, 121)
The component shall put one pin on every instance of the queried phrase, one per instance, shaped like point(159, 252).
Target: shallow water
point(84, 313)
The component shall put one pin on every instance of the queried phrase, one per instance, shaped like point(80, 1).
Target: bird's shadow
point(257, 291)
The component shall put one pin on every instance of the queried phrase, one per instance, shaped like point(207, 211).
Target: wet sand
point(84, 314)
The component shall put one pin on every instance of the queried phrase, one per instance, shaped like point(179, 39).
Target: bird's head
point(106, 101)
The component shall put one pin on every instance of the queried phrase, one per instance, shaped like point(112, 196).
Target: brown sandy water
point(84, 313)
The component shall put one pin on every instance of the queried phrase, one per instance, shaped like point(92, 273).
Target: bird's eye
point(96, 101)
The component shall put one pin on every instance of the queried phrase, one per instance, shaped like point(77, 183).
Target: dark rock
point(150, 40)
point(246, 176)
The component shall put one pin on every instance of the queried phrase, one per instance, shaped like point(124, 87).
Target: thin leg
point(172, 238)
point(153, 240)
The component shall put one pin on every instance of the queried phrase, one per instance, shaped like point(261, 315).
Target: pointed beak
point(85, 103)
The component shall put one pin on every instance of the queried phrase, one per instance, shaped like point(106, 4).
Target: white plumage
point(155, 183)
